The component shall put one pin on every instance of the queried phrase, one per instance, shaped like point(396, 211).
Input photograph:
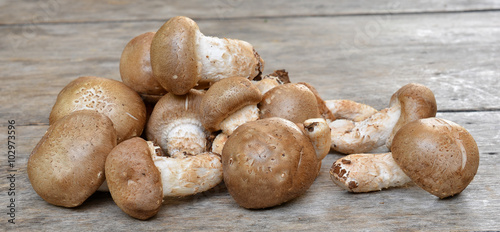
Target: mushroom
point(228, 104)
point(183, 58)
point(133, 179)
point(409, 103)
point(135, 68)
point(67, 165)
point(175, 125)
point(140, 177)
point(438, 155)
point(271, 161)
point(112, 98)
point(294, 102)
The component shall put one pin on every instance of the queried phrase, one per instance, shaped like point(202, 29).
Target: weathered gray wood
point(58, 11)
point(457, 57)
point(324, 206)
point(365, 55)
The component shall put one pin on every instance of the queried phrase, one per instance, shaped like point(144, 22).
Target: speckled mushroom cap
point(226, 97)
point(416, 101)
point(174, 58)
point(67, 165)
point(133, 179)
point(135, 68)
point(112, 98)
point(294, 102)
point(268, 162)
point(440, 156)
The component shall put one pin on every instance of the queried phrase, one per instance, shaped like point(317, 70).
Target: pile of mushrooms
point(436, 154)
point(194, 110)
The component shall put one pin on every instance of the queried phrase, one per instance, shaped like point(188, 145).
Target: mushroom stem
point(218, 143)
point(367, 172)
point(351, 110)
point(318, 131)
point(266, 84)
point(353, 137)
point(411, 102)
point(246, 114)
point(187, 175)
point(241, 116)
point(221, 58)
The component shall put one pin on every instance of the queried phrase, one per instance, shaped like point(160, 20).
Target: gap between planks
point(256, 17)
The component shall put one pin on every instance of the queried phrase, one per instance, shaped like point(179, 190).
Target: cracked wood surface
point(362, 50)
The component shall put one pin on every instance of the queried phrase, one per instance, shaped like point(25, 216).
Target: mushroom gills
point(183, 136)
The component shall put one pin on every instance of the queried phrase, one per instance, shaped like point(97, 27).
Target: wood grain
point(58, 11)
point(457, 58)
point(358, 50)
point(324, 206)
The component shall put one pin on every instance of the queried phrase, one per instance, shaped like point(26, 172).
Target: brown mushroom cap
point(323, 109)
point(440, 156)
point(173, 55)
point(67, 165)
point(226, 97)
point(417, 101)
point(294, 102)
point(133, 179)
point(114, 99)
point(135, 68)
point(268, 162)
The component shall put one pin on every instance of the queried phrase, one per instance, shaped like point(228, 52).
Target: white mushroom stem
point(222, 57)
point(351, 110)
point(218, 143)
point(246, 114)
point(354, 137)
point(243, 115)
point(318, 131)
point(367, 172)
point(183, 136)
point(266, 84)
point(184, 176)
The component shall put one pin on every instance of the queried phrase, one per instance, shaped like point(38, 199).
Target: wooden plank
point(57, 11)
point(324, 207)
point(362, 58)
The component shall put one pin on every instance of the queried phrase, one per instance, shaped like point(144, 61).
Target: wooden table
point(358, 50)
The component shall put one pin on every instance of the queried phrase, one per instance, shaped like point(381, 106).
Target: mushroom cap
point(294, 102)
point(268, 162)
point(112, 98)
point(135, 68)
point(67, 165)
point(440, 156)
point(323, 109)
point(174, 58)
point(416, 101)
point(170, 111)
point(133, 179)
point(226, 97)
